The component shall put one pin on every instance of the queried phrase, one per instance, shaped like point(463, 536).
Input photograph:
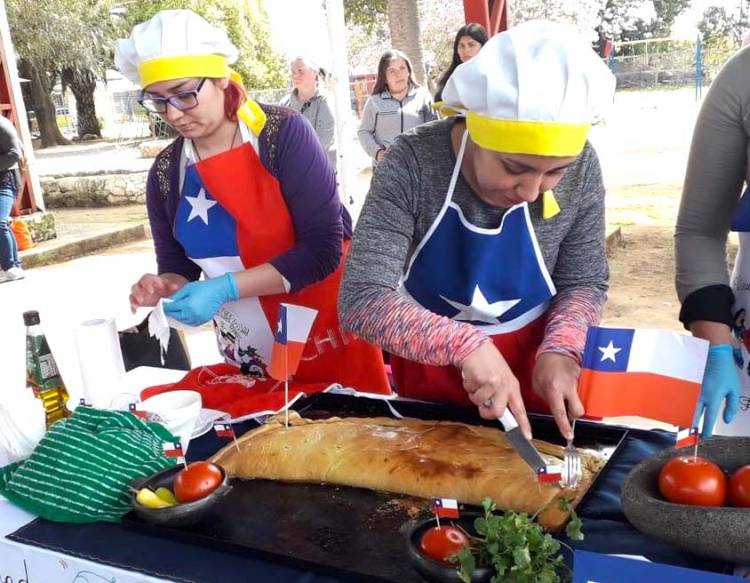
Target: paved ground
point(91, 158)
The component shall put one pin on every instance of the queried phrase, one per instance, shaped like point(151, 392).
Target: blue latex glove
point(721, 385)
point(199, 301)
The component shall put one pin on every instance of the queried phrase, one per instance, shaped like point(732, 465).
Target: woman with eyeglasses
point(245, 198)
point(308, 99)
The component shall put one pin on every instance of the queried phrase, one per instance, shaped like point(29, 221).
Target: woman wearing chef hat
point(479, 258)
point(246, 197)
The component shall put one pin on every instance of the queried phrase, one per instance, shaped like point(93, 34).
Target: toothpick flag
point(687, 437)
point(133, 408)
point(549, 474)
point(445, 508)
point(294, 326)
point(174, 450)
point(649, 373)
point(224, 430)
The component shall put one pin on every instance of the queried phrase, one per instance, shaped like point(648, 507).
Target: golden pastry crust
point(406, 456)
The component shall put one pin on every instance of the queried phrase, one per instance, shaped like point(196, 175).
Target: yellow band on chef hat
point(527, 137)
point(182, 67)
point(211, 66)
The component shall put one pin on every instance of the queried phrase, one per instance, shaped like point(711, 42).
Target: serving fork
point(572, 469)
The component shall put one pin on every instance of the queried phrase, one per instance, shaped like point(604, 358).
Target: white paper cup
point(178, 411)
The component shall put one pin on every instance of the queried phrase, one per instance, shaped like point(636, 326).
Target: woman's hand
point(150, 288)
point(492, 386)
point(555, 379)
point(379, 154)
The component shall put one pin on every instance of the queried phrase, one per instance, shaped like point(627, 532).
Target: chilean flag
point(687, 437)
point(133, 408)
point(445, 508)
point(649, 373)
point(224, 430)
point(293, 329)
point(549, 474)
point(172, 449)
point(206, 230)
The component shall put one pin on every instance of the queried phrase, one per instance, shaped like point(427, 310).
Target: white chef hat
point(179, 44)
point(533, 89)
point(174, 44)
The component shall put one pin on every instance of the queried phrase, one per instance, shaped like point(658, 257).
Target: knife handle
point(508, 421)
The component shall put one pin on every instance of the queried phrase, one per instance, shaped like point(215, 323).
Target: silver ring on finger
point(488, 403)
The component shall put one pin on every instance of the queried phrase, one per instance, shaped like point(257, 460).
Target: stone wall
point(98, 190)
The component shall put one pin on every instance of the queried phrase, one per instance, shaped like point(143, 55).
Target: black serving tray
point(349, 533)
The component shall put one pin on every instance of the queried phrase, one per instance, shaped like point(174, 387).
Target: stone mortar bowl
point(183, 514)
point(720, 533)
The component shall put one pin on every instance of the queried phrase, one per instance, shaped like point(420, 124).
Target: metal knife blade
point(523, 446)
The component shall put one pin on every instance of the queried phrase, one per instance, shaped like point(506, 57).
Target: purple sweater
point(291, 152)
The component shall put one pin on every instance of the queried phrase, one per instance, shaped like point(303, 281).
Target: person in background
point(245, 197)
point(396, 105)
point(11, 155)
point(715, 306)
point(478, 280)
point(469, 39)
point(306, 98)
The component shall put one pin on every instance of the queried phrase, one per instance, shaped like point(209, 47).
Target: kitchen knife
point(523, 446)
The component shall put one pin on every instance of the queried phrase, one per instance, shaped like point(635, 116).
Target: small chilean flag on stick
point(174, 449)
point(687, 437)
point(549, 474)
point(226, 430)
point(133, 408)
point(292, 331)
point(655, 374)
point(444, 508)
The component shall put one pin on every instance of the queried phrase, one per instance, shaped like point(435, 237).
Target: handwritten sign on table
point(597, 568)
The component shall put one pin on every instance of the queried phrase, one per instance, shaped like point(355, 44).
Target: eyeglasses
point(183, 101)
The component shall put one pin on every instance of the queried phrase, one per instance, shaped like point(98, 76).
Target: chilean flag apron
point(232, 216)
point(494, 279)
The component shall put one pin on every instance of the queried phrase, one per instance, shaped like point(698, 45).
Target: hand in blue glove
point(199, 301)
point(721, 385)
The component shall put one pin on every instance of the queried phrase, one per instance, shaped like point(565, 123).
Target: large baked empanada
point(407, 456)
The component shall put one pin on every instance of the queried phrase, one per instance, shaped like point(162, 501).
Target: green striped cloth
point(83, 466)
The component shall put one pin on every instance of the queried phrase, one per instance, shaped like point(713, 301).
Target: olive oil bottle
point(42, 374)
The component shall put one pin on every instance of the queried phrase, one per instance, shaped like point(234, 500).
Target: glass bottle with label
point(42, 375)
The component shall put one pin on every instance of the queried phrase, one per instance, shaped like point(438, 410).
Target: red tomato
point(739, 487)
point(693, 480)
point(441, 542)
point(199, 479)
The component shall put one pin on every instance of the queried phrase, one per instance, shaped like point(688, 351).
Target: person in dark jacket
point(469, 39)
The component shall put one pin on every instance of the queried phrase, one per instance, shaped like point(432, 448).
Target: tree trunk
point(83, 84)
point(403, 22)
point(41, 103)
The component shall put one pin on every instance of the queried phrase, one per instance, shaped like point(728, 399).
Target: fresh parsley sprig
point(516, 548)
